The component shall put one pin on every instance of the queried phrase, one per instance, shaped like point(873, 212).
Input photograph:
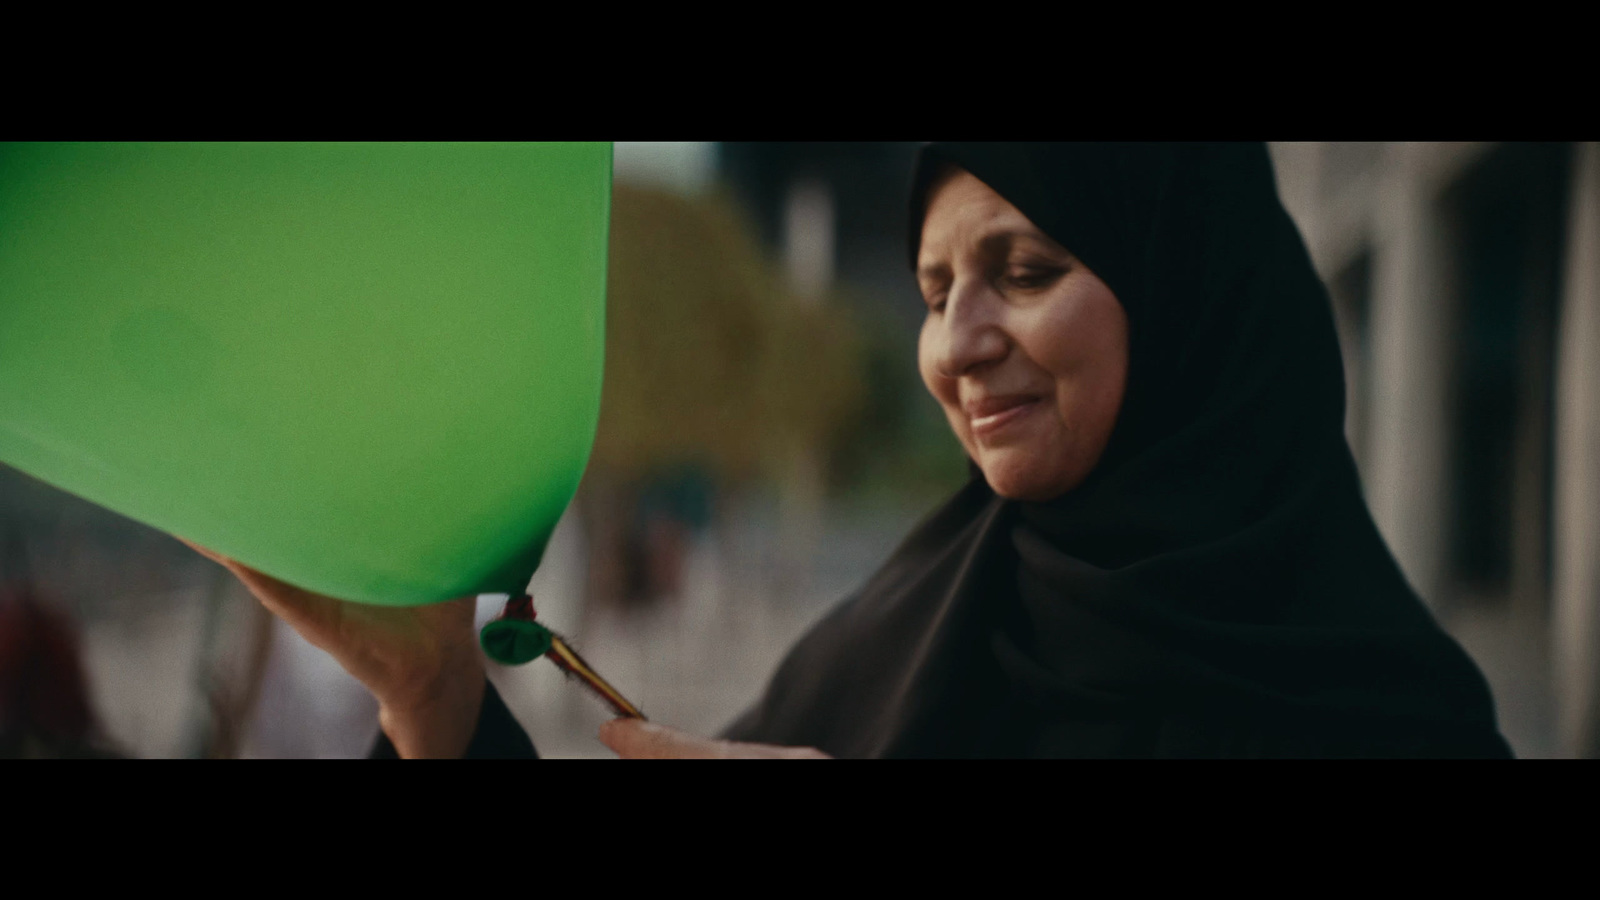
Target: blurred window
point(1344, 162)
point(1504, 219)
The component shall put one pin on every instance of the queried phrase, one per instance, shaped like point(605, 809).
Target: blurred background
point(765, 443)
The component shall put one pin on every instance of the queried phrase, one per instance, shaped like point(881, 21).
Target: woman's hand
point(636, 739)
point(422, 663)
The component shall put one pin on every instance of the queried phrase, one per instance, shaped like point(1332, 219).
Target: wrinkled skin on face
point(1023, 346)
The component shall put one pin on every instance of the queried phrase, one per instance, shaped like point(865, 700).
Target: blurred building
point(1466, 284)
point(835, 211)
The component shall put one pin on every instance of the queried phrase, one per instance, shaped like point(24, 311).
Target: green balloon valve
point(515, 638)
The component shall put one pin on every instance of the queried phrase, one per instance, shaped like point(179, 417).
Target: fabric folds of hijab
point(1216, 587)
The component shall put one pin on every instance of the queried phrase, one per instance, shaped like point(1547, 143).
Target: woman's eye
point(1028, 279)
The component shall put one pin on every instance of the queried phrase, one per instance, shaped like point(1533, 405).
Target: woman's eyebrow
point(993, 245)
point(933, 271)
point(1004, 240)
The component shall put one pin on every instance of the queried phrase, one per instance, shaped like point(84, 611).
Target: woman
point(1163, 549)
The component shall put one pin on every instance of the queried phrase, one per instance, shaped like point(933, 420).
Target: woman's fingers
point(308, 613)
point(637, 739)
point(421, 663)
point(212, 555)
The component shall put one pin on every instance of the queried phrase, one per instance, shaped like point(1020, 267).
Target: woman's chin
point(1029, 477)
point(1015, 480)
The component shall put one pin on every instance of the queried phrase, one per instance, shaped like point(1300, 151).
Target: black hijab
point(1216, 587)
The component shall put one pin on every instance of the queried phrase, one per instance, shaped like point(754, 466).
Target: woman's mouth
point(988, 417)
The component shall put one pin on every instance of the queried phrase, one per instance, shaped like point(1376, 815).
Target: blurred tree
point(709, 361)
point(897, 446)
point(712, 369)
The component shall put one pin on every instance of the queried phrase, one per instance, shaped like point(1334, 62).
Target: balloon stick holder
point(516, 638)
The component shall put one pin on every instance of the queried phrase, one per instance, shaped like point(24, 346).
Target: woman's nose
point(973, 337)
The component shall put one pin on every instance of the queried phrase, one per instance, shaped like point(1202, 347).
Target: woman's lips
point(989, 416)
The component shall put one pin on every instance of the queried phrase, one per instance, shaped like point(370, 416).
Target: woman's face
point(1023, 346)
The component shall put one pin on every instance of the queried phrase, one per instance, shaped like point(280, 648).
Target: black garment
point(498, 735)
point(1216, 587)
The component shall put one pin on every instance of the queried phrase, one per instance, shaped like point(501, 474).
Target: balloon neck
point(520, 608)
point(514, 638)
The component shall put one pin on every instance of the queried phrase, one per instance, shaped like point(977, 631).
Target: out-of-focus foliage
point(897, 444)
point(709, 360)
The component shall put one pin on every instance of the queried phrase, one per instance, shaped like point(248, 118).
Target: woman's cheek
point(925, 366)
point(958, 426)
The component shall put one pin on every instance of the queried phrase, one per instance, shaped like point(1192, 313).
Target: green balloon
point(370, 370)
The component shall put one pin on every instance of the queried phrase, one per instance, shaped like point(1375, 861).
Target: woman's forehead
point(964, 214)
